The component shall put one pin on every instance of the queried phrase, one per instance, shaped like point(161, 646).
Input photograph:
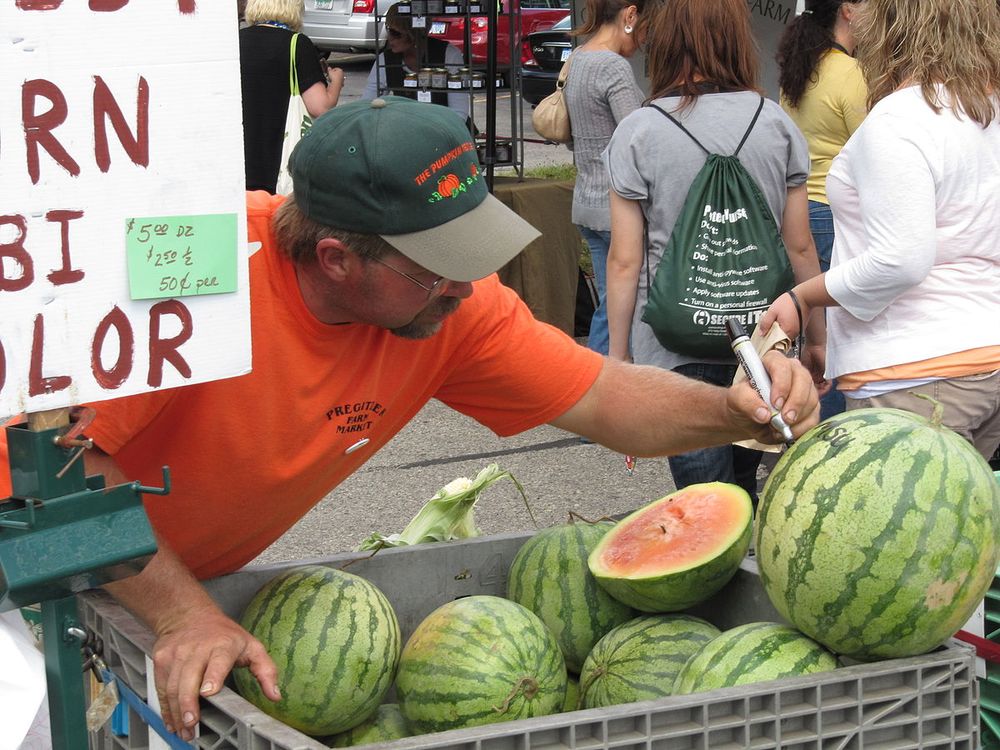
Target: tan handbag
point(550, 118)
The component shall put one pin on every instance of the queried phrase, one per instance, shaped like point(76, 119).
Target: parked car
point(345, 25)
point(535, 16)
point(542, 56)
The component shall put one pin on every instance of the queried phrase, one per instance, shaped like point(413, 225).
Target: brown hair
point(298, 235)
point(599, 12)
point(404, 22)
point(805, 41)
point(955, 43)
point(694, 41)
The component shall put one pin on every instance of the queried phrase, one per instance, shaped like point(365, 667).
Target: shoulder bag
point(297, 122)
point(550, 119)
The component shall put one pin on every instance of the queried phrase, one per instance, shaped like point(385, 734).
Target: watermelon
point(640, 660)
point(479, 660)
point(336, 642)
point(385, 725)
point(549, 576)
point(676, 551)
point(755, 652)
point(572, 701)
point(878, 533)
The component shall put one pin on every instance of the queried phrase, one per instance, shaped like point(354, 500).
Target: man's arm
point(196, 643)
point(648, 411)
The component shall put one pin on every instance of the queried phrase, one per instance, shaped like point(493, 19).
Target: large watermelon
point(755, 652)
point(676, 551)
point(878, 533)
point(385, 725)
point(479, 660)
point(550, 577)
point(336, 642)
point(640, 660)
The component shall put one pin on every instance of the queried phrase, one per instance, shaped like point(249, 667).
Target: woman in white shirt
point(914, 284)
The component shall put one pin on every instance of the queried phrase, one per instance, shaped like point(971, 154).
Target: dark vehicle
point(535, 15)
point(542, 56)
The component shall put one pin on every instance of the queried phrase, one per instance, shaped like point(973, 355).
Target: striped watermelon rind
point(479, 660)
point(685, 586)
point(640, 659)
point(755, 652)
point(385, 725)
point(336, 642)
point(878, 533)
point(549, 576)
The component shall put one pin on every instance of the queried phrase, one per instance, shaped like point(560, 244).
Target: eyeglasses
point(436, 287)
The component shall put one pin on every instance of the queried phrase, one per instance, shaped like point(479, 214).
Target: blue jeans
point(598, 241)
point(821, 226)
point(724, 463)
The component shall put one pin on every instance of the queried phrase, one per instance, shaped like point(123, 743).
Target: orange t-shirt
point(251, 455)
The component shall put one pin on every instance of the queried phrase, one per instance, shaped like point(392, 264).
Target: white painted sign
point(116, 114)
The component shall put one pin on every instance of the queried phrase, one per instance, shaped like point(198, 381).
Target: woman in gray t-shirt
point(708, 81)
point(600, 91)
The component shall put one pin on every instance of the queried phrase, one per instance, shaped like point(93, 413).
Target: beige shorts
point(971, 406)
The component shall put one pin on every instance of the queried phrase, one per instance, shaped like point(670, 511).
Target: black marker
point(754, 368)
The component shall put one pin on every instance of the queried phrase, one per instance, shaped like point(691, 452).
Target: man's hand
point(792, 393)
point(192, 657)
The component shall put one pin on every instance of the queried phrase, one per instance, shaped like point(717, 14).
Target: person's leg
point(745, 464)
point(971, 406)
point(598, 242)
point(821, 226)
point(714, 464)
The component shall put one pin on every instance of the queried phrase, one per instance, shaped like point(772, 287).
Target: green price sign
point(181, 256)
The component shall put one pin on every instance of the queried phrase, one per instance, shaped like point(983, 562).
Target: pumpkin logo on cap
point(448, 185)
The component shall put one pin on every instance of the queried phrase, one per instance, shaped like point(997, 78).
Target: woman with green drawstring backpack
point(707, 83)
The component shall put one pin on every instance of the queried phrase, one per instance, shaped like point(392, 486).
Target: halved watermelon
point(676, 551)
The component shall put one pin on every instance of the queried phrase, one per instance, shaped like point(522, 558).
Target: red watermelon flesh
point(676, 551)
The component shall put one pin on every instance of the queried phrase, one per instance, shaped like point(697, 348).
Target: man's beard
point(417, 329)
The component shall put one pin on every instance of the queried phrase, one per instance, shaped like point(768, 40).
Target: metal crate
point(920, 702)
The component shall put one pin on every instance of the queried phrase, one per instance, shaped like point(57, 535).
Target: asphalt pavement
point(560, 474)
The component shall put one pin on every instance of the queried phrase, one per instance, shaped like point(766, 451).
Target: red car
point(536, 15)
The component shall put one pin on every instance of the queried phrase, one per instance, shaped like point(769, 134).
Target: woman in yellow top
point(824, 92)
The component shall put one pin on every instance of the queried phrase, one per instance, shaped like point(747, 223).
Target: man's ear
point(336, 259)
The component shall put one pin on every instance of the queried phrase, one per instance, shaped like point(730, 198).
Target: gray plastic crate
point(929, 701)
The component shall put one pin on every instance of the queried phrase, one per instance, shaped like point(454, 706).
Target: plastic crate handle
point(985, 649)
point(146, 713)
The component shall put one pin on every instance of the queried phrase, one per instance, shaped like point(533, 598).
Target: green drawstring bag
point(725, 258)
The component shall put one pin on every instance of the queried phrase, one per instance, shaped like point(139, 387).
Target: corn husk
point(450, 514)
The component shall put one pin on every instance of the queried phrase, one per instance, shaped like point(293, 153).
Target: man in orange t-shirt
point(372, 291)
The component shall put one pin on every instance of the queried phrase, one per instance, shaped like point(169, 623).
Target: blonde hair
point(285, 11)
point(954, 43)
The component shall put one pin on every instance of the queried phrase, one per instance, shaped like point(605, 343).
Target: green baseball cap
point(407, 171)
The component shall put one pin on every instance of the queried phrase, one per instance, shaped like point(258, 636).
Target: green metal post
point(62, 532)
point(67, 707)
